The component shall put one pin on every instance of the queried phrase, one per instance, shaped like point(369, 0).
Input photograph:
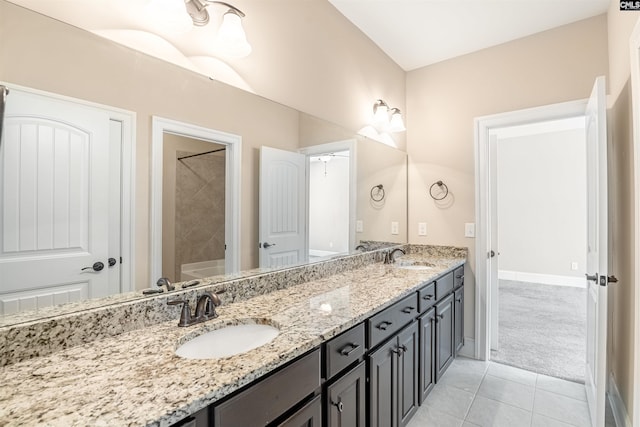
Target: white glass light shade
point(231, 36)
point(396, 124)
point(170, 15)
point(381, 115)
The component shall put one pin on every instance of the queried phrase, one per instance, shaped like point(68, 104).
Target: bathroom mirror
point(76, 64)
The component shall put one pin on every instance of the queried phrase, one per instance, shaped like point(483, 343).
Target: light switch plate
point(359, 226)
point(422, 229)
point(469, 229)
point(574, 265)
point(395, 227)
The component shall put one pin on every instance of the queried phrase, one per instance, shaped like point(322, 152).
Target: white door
point(54, 194)
point(597, 255)
point(282, 208)
point(493, 238)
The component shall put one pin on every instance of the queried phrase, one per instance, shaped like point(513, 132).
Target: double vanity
point(353, 341)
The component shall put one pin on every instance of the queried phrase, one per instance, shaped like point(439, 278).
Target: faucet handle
point(185, 314)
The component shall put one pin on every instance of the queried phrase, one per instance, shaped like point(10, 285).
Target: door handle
point(112, 262)
point(492, 254)
point(267, 245)
point(612, 279)
point(97, 266)
point(593, 278)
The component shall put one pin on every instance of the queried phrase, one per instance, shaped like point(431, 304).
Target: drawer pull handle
point(338, 405)
point(408, 309)
point(383, 325)
point(459, 299)
point(400, 350)
point(459, 276)
point(427, 297)
point(439, 316)
point(348, 349)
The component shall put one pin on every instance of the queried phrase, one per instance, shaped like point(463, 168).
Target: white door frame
point(127, 194)
point(346, 145)
point(233, 153)
point(482, 127)
point(634, 44)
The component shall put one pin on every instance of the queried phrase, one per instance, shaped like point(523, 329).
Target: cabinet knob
point(338, 405)
point(348, 349)
point(383, 325)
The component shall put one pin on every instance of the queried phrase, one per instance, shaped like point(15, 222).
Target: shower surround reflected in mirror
point(193, 211)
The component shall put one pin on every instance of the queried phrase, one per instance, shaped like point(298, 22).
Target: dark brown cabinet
point(444, 335)
point(309, 415)
point(393, 379)
point(427, 324)
point(458, 310)
point(346, 399)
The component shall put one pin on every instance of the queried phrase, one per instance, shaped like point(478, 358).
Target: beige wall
point(621, 209)
point(306, 55)
point(443, 99)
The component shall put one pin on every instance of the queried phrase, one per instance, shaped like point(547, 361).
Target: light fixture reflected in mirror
point(231, 39)
point(387, 119)
point(231, 36)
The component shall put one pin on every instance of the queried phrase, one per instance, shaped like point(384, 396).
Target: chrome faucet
point(163, 281)
point(205, 309)
point(390, 256)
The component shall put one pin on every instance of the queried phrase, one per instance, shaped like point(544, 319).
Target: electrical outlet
point(469, 229)
point(574, 266)
point(395, 227)
point(359, 226)
point(422, 229)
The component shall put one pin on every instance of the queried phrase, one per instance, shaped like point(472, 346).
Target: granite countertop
point(136, 379)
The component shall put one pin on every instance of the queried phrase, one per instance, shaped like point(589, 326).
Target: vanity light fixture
point(387, 119)
point(231, 35)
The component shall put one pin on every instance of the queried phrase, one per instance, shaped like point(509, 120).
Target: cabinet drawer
point(444, 286)
point(427, 297)
point(458, 277)
point(343, 350)
point(392, 319)
point(264, 401)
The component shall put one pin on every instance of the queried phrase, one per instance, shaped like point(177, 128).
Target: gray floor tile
point(563, 387)
point(431, 417)
point(542, 421)
point(512, 374)
point(450, 400)
point(562, 408)
point(506, 391)
point(469, 366)
point(468, 424)
point(491, 413)
point(467, 381)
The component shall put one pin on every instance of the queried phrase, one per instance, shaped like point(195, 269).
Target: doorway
point(538, 309)
point(192, 151)
point(65, 202)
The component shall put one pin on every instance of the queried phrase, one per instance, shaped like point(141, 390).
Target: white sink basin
point(412, 265)
point(228, 341)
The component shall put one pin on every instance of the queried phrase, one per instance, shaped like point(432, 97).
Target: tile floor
point(476, 393)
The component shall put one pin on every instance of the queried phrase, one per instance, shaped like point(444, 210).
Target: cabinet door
point(458, 311)
point(310, 415)
point(346, 400)
point(444, 335)
point(408, 373)
point(383, 385)
point(427, 353)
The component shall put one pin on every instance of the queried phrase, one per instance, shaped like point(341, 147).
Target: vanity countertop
point(136, 379)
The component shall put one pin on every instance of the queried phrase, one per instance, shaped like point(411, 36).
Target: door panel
point(54, 194)
point(346, 399)
point(282, 208)
point(427, 347)
point(383, 386)
point(444, 336)
point(408, 373)
point(597, 252)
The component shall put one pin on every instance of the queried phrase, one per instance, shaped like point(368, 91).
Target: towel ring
point(377, 193)
point(441, 185)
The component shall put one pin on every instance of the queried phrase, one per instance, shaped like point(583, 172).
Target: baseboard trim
point(545, 279)
point(620, 414)
point(468, 349)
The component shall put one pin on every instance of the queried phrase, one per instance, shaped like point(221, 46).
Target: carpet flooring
point(542, 328)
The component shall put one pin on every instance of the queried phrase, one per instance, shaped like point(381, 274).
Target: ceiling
point(417, 33)
point(414, 33)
